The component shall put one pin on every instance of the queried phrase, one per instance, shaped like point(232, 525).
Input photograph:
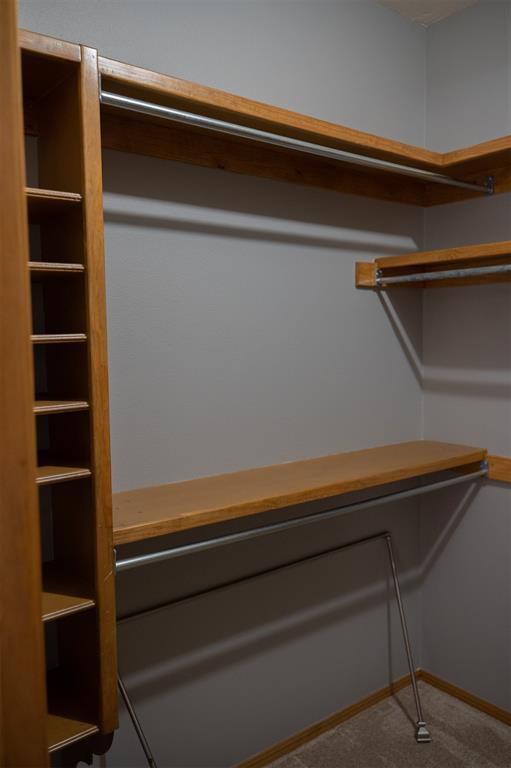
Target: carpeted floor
point(383, 737)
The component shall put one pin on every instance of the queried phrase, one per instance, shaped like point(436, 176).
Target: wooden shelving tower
point(70, 400)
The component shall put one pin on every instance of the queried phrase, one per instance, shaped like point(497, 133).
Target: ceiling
point(427, 12)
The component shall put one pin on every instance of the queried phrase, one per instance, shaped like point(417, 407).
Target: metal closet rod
point(171, 553)
point(447, 274)
point(246, 132)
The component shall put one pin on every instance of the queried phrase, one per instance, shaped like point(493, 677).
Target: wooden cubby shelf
point(49, 474)
point(51, 268)
point(42, 202)
point(372, 274)
point(58, 338)
point(60, 598)
point(155, 511)
point(46, 407)
point(63, 731)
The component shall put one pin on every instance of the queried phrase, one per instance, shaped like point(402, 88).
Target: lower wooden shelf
point(45, 407)
point(63, 731)
point(61, 595)
point(58, 338)
point(159, 510)
point(47, 474)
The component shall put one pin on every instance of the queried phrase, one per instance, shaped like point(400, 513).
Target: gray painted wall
point(467, 370)
point(237, 339)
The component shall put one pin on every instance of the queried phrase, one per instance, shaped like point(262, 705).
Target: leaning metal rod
point(422, 734)
point(447, 274)
point(151, 762)
point(200, 546)
point(234, 129)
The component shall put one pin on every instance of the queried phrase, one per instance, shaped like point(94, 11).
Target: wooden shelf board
point(480, 255)
point(61, 597)
point(49, 474)
point(58, 338)
point(47, 202)
point(152, 136)
point(42, 268)
point(155, 511)
point(44, 407)
point(63, 731)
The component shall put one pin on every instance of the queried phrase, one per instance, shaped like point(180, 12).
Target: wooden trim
point(98, 373)
point(447, 256)
point(23, 738)
point(365, 274)
point(468, 698)
point(499, 468)
point(312, 732)
point(322, 726)
point(48, 46)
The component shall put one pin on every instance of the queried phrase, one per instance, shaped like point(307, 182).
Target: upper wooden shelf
point(48, 202)
point(155, 511)
point(139, 133)
point(42, 269)
point(131, 132)
point(382, 272)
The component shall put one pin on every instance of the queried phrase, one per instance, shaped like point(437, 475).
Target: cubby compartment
point(63, 444)
point(67, 544)
point(72, 679)
point(58, 304)
point(61, 379)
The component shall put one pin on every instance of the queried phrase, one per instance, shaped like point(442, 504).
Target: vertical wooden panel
point(22, 682)
point(98, 370)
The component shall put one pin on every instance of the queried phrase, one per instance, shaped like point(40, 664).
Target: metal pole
point(200, 546)
point(422, 734)
point(276, 139)
point(136, 724)
point(447, 274)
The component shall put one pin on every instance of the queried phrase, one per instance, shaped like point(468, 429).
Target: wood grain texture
point(365, 274)
point(22, 678)
point(98, 384)
point(312, 732)
point(48, 46)
point(458, 257)
point(447, 256)
point(471, 164)
point(45, 407)
point(158, 510)
point(469, 698)
point(172, 91)
point(206, 149)
point(499, 468)
point(49, 474)
point(63, 731)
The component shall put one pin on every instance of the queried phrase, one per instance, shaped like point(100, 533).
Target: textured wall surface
point(467, 371)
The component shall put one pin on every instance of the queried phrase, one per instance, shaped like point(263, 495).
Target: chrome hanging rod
point(448, 274)
point(200, 546)
point(245, 132)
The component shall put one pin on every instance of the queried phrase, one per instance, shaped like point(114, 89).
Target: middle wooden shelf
point(154, 511)
point(459, 265)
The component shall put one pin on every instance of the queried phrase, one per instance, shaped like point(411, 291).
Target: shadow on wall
point(342, 221)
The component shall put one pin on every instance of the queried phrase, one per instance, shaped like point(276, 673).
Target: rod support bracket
point(422, 735)
point(485, 466)
point(489, 185)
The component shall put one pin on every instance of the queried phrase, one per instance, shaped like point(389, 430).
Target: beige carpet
point(383, 737)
